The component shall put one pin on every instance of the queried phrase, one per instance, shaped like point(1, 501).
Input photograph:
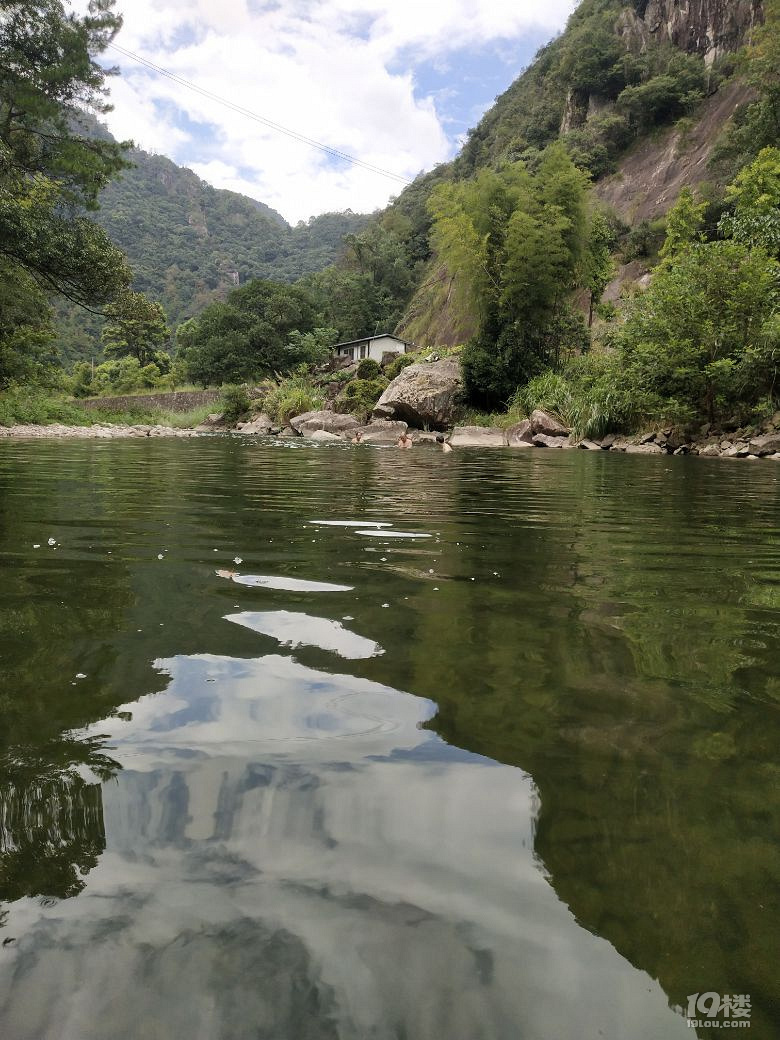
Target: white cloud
point(329, 69)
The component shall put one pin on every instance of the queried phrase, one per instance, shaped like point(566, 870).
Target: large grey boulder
point(521, 435)
point(710, 451)
point(323, 435)
point(331, 422)
point(425, 394)
point(544, 423)
point(260, 424)
point(544, 440)
point(766, 445)
point(644, 449)
point(381, 431)
point(477, 437)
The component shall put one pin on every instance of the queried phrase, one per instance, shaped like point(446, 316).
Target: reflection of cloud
point(282, 582)
point(265, 878)
point(297, 629)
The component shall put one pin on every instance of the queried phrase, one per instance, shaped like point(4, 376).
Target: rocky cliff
point(707, 27)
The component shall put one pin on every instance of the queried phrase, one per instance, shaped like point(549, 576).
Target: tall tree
point(50, 171)
point(135, 327)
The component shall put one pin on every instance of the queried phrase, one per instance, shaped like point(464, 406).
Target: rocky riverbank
point(103, 431)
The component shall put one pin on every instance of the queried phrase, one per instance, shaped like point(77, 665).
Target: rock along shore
point(105, 431)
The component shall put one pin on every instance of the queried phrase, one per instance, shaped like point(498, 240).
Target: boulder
point(587, 445)
point(732, 452)
point(543, 440)
point(644, 449)
point(608, 441)
point(546, 424)
point(477, 437)
point(766, 445)
point(331, 422)
point(215, 421)
point(381, 431)
point(288, 431)
point(323, 435)
point(423, 395)
point(521, 435)
point(260, 424)
point(712, 451)
point(648, 438)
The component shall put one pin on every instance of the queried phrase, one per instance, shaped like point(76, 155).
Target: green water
point(515, 777)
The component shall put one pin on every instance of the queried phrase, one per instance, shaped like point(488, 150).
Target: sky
point(395, 83)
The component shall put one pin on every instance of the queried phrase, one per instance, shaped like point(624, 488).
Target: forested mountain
point(188, 243)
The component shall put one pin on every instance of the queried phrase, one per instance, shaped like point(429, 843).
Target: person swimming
point(358, 438)
point(445, 447)
point(405, 441)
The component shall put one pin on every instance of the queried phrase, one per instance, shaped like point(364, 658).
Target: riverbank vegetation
point(511, 231)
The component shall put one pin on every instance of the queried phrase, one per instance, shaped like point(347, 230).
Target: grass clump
point(292, 397)
point(22, 406)
point(235, 403)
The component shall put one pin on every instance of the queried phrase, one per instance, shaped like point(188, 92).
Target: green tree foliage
point(704, 337)
point(515, 242)
point(598, 266)
point(754, 198)
point(135, 327)
point(683, 224)
point(49, 170)
point(250, 335)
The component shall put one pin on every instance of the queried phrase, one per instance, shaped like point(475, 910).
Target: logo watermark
point(719, 1011)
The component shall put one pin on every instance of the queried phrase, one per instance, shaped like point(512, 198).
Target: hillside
point(640, 91)
point(189, 243)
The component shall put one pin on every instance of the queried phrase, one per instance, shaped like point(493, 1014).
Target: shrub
point(359, 397)
point(235, 403)
point(25, 405)
point(368, 369)
point(399, 363)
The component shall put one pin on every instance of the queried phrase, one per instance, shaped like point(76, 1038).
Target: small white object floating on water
point(393, 534)
point(52, 541)
point(282, 583)
point(160, 556)
point(237, 559)
point(36, 545)
point(351, 523)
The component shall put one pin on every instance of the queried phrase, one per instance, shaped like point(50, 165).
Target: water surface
point(303, 741)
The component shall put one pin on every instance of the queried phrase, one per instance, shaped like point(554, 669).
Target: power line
point(258, 118)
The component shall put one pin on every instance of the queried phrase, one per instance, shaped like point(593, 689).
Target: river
point(306, 741)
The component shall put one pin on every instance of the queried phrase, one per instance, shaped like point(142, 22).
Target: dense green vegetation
point(51, 172)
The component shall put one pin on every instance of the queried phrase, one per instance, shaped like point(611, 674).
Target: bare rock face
point(477, 437)
point(423, 395)
point(331, 422)
point(707, 27)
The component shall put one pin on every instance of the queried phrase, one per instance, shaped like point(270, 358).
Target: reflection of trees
point(51, 820)
point(630, 679)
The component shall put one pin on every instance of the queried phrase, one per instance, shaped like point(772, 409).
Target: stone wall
point(173, 401)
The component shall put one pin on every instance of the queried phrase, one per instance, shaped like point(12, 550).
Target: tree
point(704, 336)
point(599, 267)
point(135, 327)
point(515, 242)
point(49, 171)
point(683, 224)
point(755, 199)
point(249, 335)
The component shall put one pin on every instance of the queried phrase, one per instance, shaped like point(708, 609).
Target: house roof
point(368, 339)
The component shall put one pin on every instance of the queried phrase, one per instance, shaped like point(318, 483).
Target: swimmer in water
point(405, 441)
point(358, 437)
point(445, 447)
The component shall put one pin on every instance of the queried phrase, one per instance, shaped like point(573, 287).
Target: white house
point(372, 347)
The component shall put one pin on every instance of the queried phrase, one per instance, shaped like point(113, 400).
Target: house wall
point(374, 349)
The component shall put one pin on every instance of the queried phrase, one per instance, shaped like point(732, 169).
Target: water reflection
point(606, 626)
point(300, 829)
point(293, 629)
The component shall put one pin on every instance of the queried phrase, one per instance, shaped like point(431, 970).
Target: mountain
point(189, 243)
point(640, 91)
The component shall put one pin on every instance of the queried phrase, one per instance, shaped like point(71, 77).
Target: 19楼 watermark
point(719, 1011)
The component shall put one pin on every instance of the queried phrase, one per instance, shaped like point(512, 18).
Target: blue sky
point(394, 82)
